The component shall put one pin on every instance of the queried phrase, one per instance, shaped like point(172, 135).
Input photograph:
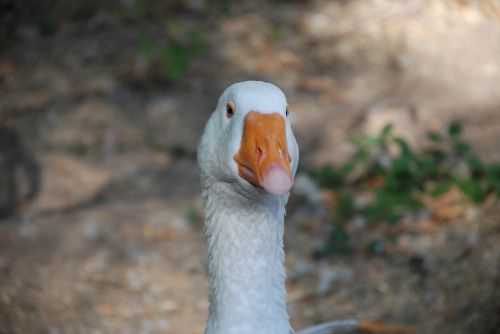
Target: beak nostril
point(259, 153)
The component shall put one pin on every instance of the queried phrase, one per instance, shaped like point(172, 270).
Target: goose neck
point(245, 260)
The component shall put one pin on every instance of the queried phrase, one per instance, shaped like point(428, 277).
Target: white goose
point(248, 158)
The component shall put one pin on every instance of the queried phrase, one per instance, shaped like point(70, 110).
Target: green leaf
point(493, 177)
point(347, 168)
point(404, 174)
point(472, 189)
point(370, 141)
point(386, 131)
point(494, 170)
point(440, 188)
point(192, 215)
point(327, 177)
point(361, 154)
point(435, 137)
point(345, 208)
point(145, 48)
point(393, 200)
point(393, 218)
point(196, 40)
point(403, 146)
point(427, 167)
point(476, 167)
point(374, 214)
point(177, 58)
point(455, 129)
point(340, 235)
point(461, 147)
point(338, 243)
point(435, 154)
point(340, 239)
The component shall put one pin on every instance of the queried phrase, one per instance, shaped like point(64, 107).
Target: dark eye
point(287, 112)
point(230, 109)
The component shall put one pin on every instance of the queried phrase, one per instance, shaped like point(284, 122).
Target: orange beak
point(263, 158)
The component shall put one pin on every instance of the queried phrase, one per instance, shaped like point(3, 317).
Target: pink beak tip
point(276, 181)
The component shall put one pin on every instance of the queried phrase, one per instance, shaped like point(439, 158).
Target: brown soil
point(113, 241)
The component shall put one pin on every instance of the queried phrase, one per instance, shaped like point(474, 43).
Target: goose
point(248, 158)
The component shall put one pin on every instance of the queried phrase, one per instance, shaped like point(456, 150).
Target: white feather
point(243, 224)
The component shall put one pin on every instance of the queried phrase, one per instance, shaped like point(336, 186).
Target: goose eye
point(287, 112)
point(230, 109)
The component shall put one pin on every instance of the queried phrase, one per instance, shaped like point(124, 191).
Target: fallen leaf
point(449, 212)
point(375, 326)
point(279, 62)
point(160, 233)
point(329, 198)
point(104, 308)
point(317, 84)
point(307, 225)
point(448, 206)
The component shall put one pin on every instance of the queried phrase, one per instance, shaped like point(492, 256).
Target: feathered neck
point(245, 261)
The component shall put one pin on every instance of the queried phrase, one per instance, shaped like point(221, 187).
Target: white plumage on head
point(248, 157)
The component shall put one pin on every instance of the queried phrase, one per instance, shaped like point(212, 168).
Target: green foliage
point(177, 55)
point(327, 176)
point(146, 49)
point(169, 57)
point(47, 25)
point(384, 169)
point(83, 13)
point(454, 129)
point(338, 243)
point(493, 177)
point(173, 58)
point(192, 215)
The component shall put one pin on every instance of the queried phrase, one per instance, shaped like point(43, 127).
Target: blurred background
point(395, 214)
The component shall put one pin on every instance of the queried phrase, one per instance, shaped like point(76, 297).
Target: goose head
point(248, 141)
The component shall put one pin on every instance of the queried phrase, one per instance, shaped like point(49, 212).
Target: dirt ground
point(113, 240)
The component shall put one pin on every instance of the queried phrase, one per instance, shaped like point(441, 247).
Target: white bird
point(248, 158)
